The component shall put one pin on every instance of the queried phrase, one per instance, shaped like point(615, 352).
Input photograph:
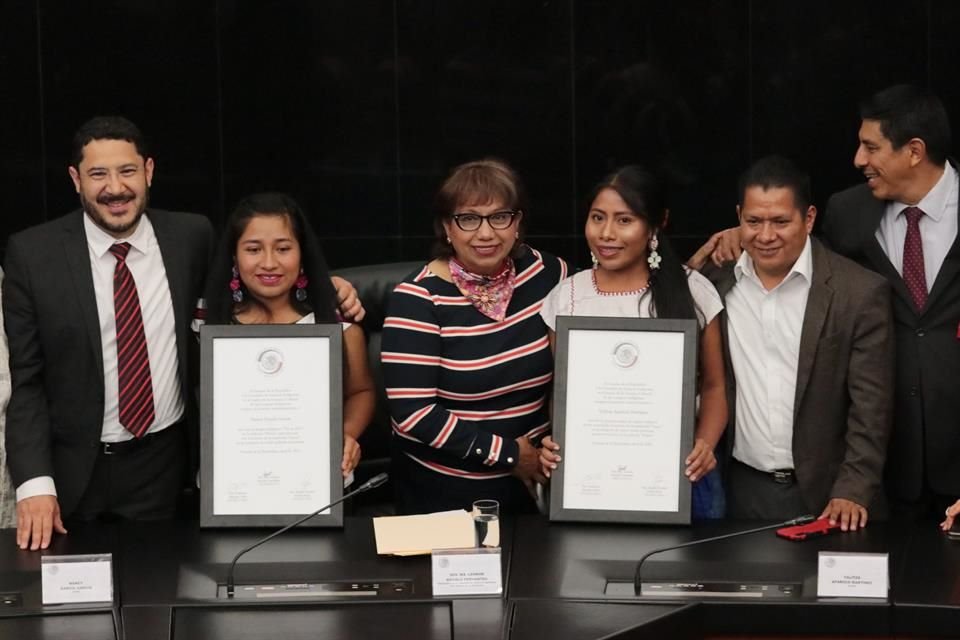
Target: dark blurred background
point(359, 107)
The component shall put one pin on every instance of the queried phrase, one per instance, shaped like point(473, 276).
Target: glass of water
point(486, 523)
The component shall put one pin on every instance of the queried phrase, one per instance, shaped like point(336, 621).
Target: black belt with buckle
point(131, 445)
point(783, 476)
point(780, 476)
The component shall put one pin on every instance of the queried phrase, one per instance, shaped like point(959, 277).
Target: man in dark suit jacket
point(69, 454)
point(71, 451)
point(904, 142)
point(810, 343)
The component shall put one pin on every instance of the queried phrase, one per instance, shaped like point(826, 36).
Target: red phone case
point(804, 531)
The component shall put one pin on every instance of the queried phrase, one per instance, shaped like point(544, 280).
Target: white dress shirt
point(764, 338)
point(938, 226)
point(146, 265)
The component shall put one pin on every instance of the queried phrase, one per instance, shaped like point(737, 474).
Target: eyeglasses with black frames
point(497, 220)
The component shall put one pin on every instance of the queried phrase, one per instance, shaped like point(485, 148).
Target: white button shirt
point(764, 338)
point(938, 226)
point(156, 305)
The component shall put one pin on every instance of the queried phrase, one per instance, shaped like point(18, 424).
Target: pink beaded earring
point(237, 291)
point(301, 286)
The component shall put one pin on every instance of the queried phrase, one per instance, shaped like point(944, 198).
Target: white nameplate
point(466, 572)
point(75, 579)
point(853, 575)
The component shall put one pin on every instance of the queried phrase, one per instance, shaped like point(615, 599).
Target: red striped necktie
point(133, 363)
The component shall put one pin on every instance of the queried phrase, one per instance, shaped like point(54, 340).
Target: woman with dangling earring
point(269, 269)
point(636, 274)
point(466, 360)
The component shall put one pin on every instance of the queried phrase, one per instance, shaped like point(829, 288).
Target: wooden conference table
point(562, 581)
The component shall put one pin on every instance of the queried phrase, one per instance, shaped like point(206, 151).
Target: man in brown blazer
point(809, 339)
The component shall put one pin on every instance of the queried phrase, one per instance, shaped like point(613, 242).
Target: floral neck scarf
point(489, 294)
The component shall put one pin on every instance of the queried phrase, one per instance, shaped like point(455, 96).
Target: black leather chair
point(374, 284)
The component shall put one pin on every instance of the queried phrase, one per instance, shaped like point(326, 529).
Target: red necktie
point(133, 362)
point(914, 274)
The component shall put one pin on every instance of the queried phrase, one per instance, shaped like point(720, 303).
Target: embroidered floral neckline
point(600, 292)
point(490, 295)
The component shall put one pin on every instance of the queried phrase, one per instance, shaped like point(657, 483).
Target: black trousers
point(755, 495)
point(929, 507)
point(420, 490)
point(143, 482)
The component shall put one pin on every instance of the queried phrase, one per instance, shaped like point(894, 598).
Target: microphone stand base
point(698, 590)
point(331, 590)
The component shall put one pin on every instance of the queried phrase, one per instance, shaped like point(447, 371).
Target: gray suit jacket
point(55, 415)
point(925, 445)
point(842, 406)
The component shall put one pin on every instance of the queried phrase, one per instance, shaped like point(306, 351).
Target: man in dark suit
point(903, 224)
point(97, 307)
point(810, 342)
point(78, 444)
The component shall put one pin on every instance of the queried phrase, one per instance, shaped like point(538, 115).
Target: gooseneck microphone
point(637, 585)
point(372, 483)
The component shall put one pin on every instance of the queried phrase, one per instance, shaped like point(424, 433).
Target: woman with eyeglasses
point(466, 359)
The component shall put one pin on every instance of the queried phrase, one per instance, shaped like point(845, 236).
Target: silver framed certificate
point(623, 415)
point(271, 416)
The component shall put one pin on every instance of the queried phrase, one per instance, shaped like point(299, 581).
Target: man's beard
point(111, 227)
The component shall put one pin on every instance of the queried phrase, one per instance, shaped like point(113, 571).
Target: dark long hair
point(321, 296)
point(667, 286)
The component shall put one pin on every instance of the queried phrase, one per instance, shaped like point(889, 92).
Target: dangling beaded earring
point(653, 258)
point(301, 287)
point(235, 285)
point(594, 260)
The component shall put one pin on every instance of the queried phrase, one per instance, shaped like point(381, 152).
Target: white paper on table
point(271, 426)
point(852, 575)
point(76, 579)
point(466, 572)
point(624, 399)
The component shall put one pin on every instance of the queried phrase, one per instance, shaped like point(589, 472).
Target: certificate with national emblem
point(272, 435)
point(624, 404)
